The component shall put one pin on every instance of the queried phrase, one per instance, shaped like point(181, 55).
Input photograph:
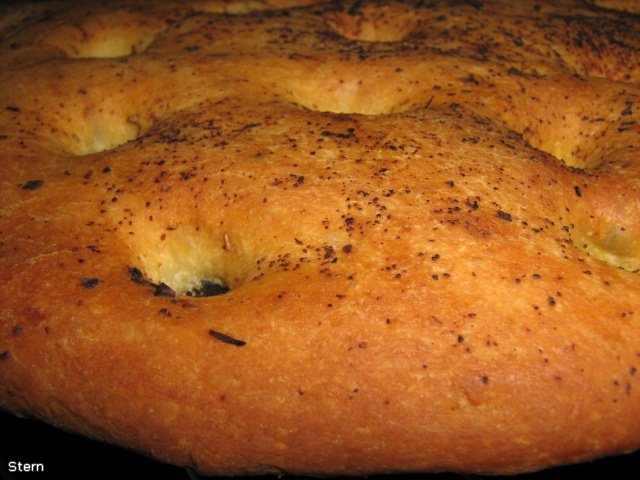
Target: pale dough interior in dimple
point(191, 256)
point(374, 23)
point(107, 34)
point(239, 7)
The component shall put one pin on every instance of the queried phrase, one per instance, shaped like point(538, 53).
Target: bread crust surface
point(327, 238)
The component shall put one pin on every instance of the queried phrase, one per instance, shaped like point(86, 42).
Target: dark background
point(68, 456)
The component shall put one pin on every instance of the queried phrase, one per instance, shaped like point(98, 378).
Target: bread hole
point(106, 35)
point(391, 22)
point(627, 5)
point(103, 131)
point(192, 261)
point(240, 7)
point(612, 245)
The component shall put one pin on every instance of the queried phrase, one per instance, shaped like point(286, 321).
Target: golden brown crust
point(426, 216)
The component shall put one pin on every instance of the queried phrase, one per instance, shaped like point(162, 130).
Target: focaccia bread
point(326, 238)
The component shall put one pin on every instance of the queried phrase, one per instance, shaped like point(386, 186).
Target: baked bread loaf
point(343, 237)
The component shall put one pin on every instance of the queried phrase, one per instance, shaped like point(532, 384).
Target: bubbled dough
point(427, 218)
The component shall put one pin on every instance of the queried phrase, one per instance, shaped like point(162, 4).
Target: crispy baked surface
point(343, 237)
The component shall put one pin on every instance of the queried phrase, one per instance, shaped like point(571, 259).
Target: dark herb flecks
point(32, 185)
point(504, 216)
point(628, 110)
point(137, 277)
point(227, 339)
point(208, 289)
point(163, 290)
point(89, 282)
